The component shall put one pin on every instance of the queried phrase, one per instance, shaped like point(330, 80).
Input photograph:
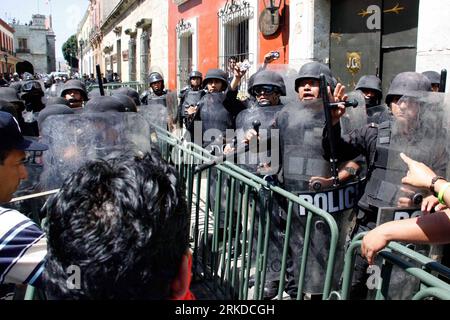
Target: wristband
point(441, 193)
point(433, 181)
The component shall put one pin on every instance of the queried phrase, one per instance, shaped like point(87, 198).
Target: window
point(23, 44)
point(235, 34)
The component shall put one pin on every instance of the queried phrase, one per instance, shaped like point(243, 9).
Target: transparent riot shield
point(419, 131)
point(308, 174)
point(156, 116)
point(260, 152)
point(76, 139)
point(354, 118)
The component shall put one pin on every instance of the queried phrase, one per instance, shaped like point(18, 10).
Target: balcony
point(23, 50)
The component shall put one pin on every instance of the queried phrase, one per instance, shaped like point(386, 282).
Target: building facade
point(8, 57)
point(35, 43)
point(379, 37)
point(135, 39)
point(205, 34)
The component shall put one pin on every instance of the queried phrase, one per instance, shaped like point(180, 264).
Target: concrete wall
point(433, 40)
point(309, 32)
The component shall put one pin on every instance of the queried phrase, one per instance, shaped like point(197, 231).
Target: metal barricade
point(413, 263)
point(109, 87)
point(223, 261)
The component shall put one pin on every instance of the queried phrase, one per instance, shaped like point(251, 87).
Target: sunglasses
point(260, 90)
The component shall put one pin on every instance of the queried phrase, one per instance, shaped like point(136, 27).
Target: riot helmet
point(197, 77)
point(435, 79)
point(52, 110)
point(104, 104)
point(313, 70)
point(370, 82)
point(9, 94)
point(433, 76)
point(128, 104)
point(75, 84)
point(268, 78)
point(31, 88)
point(195, 74)
point(216, 74)
point(56, 100)
point(407, 84)
point(153, 79)
point(133, 94)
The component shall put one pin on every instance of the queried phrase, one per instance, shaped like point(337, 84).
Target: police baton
point(220, 159)
point(100, 80)
point(327, 106)
point(443, 82)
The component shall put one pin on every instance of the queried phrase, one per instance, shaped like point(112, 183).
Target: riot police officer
point(305, 173)
point(266, 88)
point(157, 88)
point(435, 79)
point(75, 92)
point(32, 94)
point(190, 95)
point(414, 129)
point(370, 86)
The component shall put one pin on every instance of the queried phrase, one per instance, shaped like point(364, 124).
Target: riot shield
point(215, 120)
point(191, 98)
point(76, 139)
point(308, 175)
point(419, 131)
point(260, 154)
point(354, 118)
point(155, 115)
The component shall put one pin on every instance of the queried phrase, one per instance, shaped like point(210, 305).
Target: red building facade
point(204, 34)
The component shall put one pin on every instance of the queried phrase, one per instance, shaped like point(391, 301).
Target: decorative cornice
point(236, 8)
point(131, 33)
point(117, 30)
point(115, 17)
point(108, 49)
point(183, 26)
point(144, 23)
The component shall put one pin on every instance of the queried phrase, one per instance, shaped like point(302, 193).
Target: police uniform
point(380, 144)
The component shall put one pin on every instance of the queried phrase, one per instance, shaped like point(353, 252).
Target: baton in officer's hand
point(220, 159)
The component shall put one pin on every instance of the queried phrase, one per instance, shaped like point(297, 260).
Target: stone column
point(144, 55)
point(132, 56)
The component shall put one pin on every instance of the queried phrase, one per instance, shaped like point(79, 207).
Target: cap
point(12, 138)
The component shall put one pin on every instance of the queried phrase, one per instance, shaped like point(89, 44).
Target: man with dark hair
point(22, 243)
point(124, 223)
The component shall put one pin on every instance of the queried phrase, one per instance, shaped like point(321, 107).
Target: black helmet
point(195, 74)
point(407, 83)
point(267, 77)
point(216, 74)
point(312, 70)
point(155, 77)
point(128, 103)
point(48, 82)
point(9, 94)
point(27, 76)
point(433, 76)
point(104, 104)
point(369, 82)
point(52, 110)
point(31, 87)
point(75, 84)
point(133, 94)
point(56, 100)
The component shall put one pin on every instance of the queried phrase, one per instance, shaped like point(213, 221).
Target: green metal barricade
point(421, 267)
point(139, 87)
point(223, 261)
